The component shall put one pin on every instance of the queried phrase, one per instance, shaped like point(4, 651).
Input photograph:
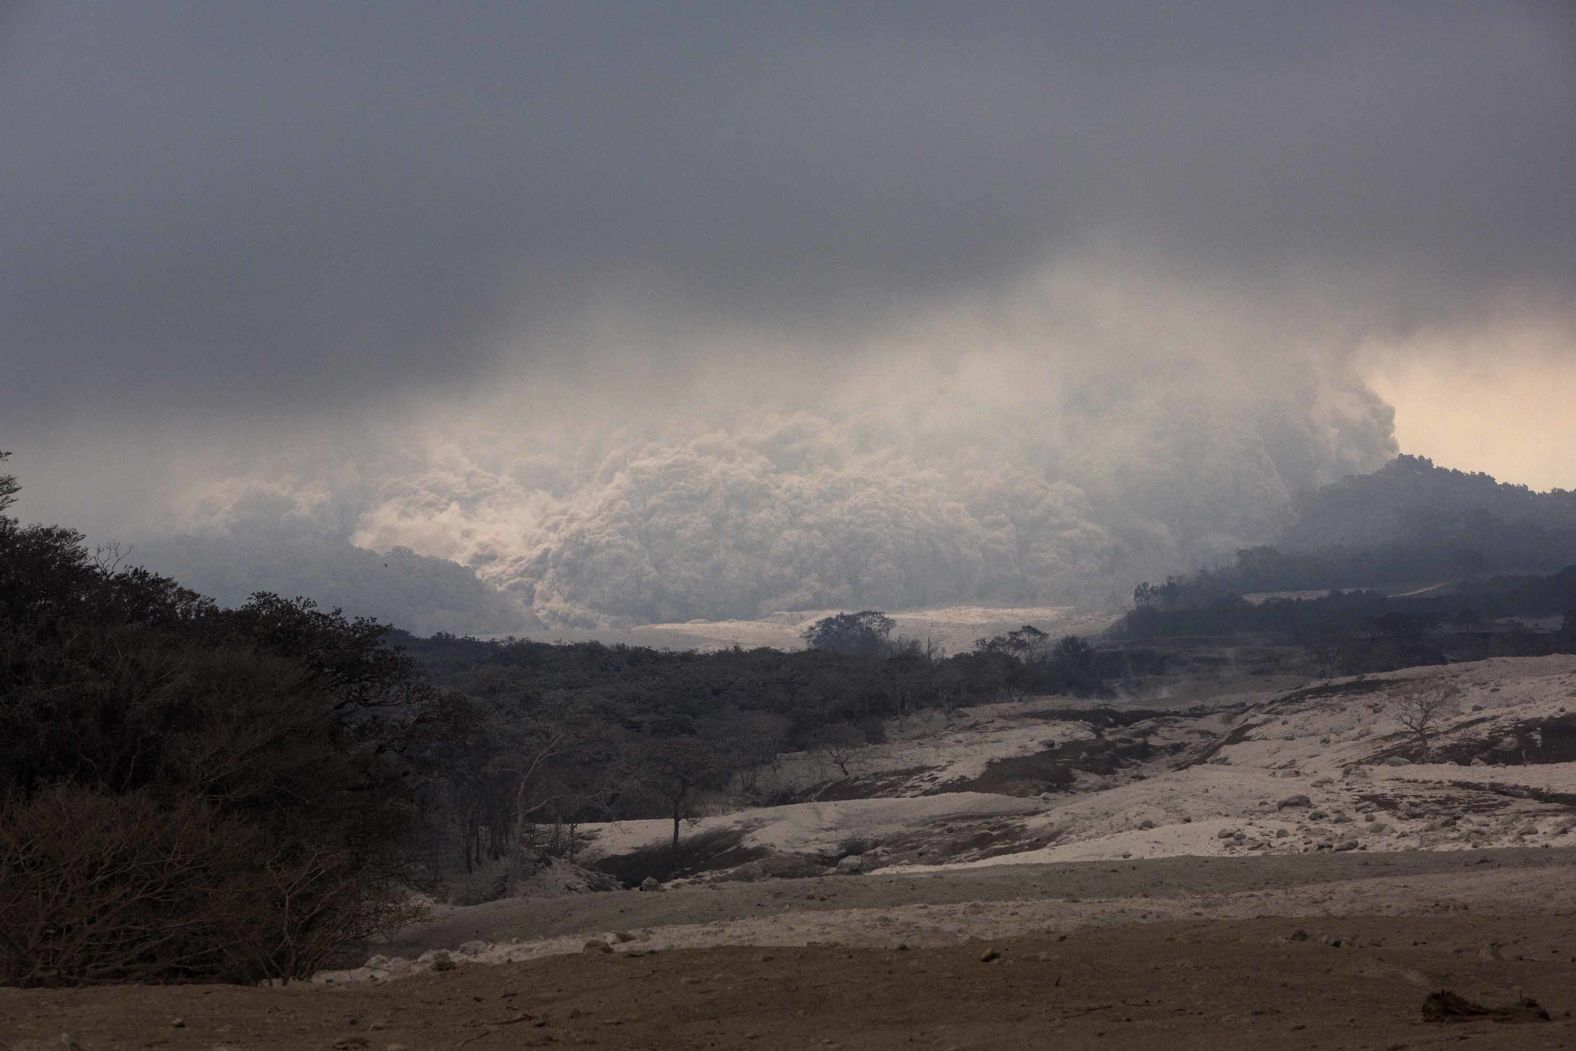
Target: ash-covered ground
point(1265, 867)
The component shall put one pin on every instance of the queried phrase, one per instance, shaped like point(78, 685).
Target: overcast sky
point(238, 232)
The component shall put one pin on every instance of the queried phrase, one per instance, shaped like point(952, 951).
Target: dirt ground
point(1331, 951)
point(1235, 984)
point(1295, 884)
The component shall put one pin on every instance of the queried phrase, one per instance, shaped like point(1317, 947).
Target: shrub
point(101, 888)
point(189, 793)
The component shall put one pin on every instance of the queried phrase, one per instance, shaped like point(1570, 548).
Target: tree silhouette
point(867, 633)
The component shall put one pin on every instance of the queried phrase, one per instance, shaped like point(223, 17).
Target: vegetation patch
point(710, 851)
point(1055, 769)
point(1528, 743)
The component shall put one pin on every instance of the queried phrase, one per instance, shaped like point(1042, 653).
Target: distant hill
point(1411, 522)
point(414, 592)
point(1411, 496)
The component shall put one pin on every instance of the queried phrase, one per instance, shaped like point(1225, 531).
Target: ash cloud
point(654, 312)
point(1120, 448)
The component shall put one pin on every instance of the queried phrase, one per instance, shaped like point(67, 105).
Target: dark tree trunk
point(677, 814)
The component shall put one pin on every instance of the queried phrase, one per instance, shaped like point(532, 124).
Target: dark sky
point(229, 204)
point(230, 227)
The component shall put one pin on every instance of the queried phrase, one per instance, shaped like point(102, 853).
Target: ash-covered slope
point(1337, 766)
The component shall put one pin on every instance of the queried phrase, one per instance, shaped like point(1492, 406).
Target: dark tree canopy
point(271, 755)
point(867, 633)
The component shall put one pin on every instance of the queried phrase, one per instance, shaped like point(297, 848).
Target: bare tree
point(110, 557)
point(676, 771)
point(8, 486)
point(1422, 706)
point(751, 741)
point(561, 762)
point(839, 744)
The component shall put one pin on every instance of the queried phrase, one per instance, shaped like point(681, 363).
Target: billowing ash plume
point(1006, 477)
point(736, 525)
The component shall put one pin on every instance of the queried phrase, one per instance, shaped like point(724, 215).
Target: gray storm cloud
point(656, 311)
